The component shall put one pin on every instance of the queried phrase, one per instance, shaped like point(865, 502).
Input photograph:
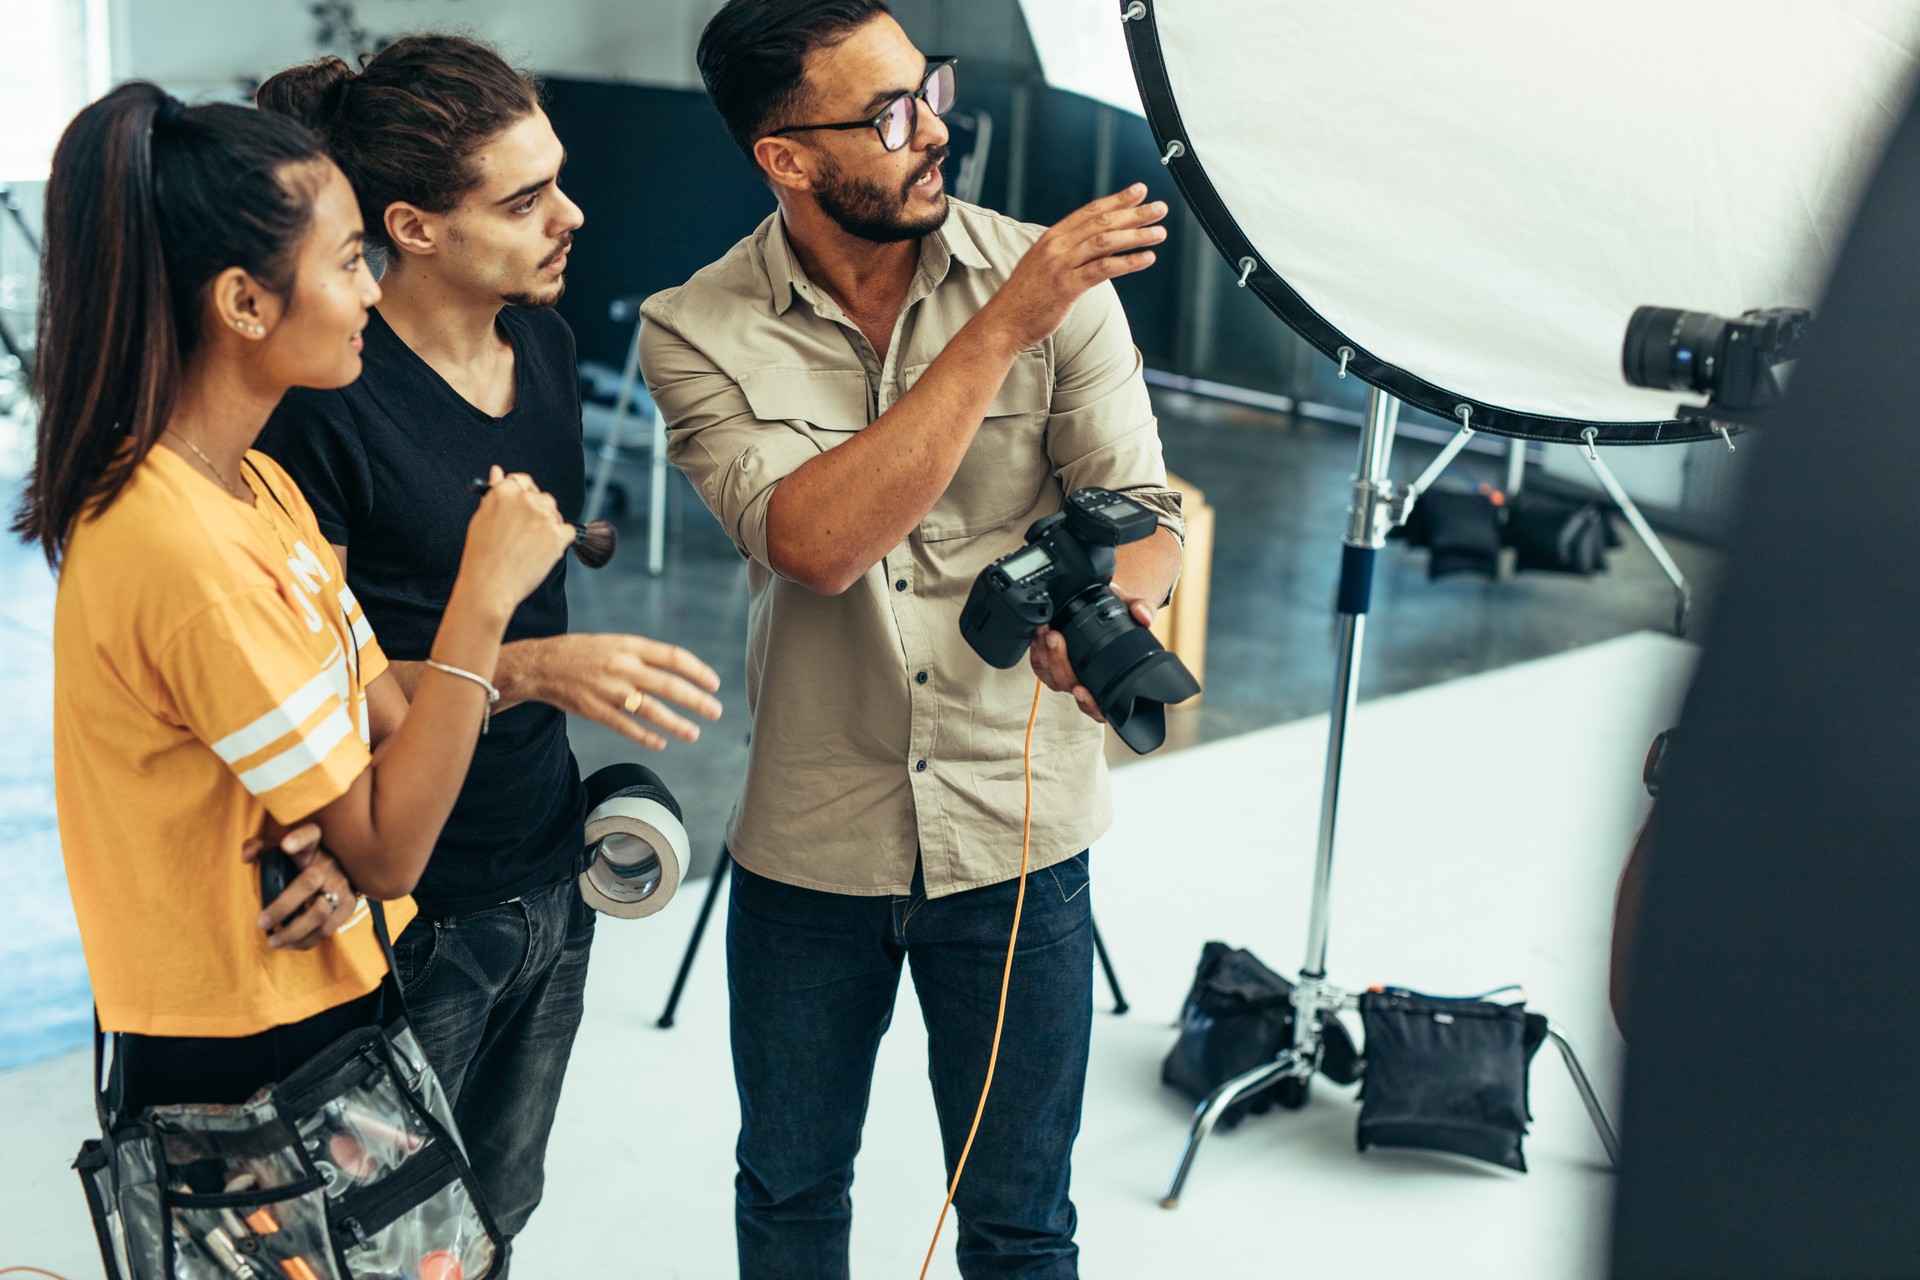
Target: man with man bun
point(457, 172)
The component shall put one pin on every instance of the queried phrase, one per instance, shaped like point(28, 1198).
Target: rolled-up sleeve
point(734, 459)
point(1101, 429)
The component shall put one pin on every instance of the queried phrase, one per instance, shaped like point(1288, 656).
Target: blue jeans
point(812, 978)
point(495, 997)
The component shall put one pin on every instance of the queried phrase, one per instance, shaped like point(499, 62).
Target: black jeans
point(159, 1071)
point(812, 978)
point(495, 997)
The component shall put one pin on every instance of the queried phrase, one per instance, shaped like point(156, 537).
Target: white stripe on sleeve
point(301, 756)
point(277, 723)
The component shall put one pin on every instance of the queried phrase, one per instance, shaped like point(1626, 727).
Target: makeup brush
point(593, 542)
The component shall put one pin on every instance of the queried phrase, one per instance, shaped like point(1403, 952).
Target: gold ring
point(635, 701)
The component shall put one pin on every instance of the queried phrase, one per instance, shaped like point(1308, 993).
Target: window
point(53, 60)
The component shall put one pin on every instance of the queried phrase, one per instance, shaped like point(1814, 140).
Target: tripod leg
point(1595, 1111)
point(1208, 1113)
point(693, 944)
point(1120, 1004)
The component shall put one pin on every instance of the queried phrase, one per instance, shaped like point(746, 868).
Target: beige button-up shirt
point(878, 734)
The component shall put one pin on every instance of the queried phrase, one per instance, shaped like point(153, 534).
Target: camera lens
point(1672, 350)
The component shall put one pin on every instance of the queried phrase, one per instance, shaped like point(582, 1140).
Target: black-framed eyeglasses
point(897, 122)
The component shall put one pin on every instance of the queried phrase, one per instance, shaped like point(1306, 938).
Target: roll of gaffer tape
point(639, 846)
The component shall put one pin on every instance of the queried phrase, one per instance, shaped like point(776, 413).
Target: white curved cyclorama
point(1476, 196)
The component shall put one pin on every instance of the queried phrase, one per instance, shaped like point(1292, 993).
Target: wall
point(166, 40)
point(632, 41)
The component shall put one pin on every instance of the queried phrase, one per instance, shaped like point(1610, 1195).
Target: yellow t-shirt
point(210, 668)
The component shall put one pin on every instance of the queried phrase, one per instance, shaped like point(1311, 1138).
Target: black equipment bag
point(1239, 1014)
point(1558, 535)
point(1461, 529)
point(1447, 1075)
point(351, 1168)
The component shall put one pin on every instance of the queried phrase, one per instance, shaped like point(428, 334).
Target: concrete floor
point(1434, 888)
point(1279, 488)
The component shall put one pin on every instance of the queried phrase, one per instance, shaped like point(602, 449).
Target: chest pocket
point(828, 404)
point(1001, 478)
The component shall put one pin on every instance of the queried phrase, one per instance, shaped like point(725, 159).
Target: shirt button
point(920, 766)
point(921, 678)
point(900, 584)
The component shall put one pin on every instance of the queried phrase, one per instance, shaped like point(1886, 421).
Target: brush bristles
point(595, 542)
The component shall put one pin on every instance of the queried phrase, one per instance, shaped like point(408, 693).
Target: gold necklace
point(222, 480)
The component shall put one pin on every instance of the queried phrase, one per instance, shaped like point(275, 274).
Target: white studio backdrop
point(1481, 193)
point(1083, 49)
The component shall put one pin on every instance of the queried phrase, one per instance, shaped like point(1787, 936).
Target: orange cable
point(1006, 979)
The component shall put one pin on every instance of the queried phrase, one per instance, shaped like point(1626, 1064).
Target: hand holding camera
point(1062, 580)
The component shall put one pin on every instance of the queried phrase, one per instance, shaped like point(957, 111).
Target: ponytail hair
point(405, 129)
point(149, 200)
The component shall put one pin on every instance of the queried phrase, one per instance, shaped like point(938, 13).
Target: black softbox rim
point(1163, 117)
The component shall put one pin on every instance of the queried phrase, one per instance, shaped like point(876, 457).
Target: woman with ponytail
point(214, 680)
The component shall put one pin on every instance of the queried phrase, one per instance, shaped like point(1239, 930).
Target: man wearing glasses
point(876, 393)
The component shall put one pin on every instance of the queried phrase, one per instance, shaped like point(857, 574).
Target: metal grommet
point(1247, 267)
point(1346, 354)
point(1134, 12)
point(1175, 149)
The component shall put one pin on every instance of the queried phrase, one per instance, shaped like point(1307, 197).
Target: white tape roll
point(642, 851)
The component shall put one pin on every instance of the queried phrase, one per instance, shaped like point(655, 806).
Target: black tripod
point(719, 878)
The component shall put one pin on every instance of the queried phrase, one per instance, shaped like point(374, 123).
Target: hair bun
point(314, 93)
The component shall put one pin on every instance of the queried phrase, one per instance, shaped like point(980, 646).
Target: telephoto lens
point(1673, 350)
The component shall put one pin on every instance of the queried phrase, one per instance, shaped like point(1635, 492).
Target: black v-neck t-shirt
point(385, 464)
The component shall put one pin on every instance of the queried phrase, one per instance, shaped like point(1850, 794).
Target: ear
point(785, 163)
point(413, 230)
point(241, 305)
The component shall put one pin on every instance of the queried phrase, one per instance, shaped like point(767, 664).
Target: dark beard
point(536, 300)
point(544, 298)
point(871, 212)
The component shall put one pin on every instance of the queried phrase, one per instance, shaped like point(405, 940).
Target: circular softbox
point(1474, 197)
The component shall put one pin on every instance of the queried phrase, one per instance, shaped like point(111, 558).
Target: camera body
point(1063, 578)
point(1731, 362)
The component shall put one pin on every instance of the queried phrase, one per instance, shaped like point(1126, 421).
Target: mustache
point(936, 156)
point(559, 253)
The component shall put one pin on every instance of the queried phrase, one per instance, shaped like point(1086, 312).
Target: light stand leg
point(1208, 1114)
point(1368, 519)
point(1595, 1110)
point(1631, 510)
point(1120, 1004)
point(610, 444)
point(657, 496)
point(693, 944)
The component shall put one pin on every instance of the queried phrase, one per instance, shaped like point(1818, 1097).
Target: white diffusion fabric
point(1482, 192)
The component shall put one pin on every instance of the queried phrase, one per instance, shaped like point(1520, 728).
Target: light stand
point(1377, 507)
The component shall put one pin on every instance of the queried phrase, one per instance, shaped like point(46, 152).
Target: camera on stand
point(1733, 363)
point(1063, 579)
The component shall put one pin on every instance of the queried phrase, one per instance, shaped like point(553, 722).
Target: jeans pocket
point(414, 953)
point(1070, 877)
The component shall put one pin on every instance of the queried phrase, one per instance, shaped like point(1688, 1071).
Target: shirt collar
point(938, 253)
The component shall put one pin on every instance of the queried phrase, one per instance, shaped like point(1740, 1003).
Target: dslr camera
point(1063, 578)
point(1731, 362)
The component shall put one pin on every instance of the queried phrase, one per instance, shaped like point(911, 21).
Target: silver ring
point(333, 900)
